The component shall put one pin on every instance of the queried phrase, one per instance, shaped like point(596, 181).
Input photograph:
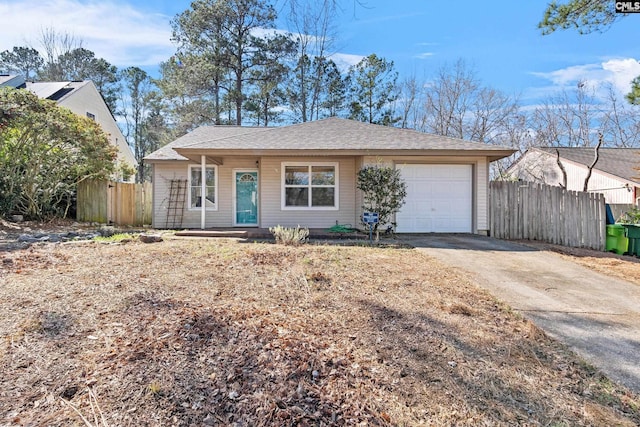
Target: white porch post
point(203, 191)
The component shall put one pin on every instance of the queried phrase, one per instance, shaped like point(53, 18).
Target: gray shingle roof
point(620, 162)
point(332, 134)
point(197, 136)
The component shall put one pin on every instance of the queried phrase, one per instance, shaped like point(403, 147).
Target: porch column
point(203, 191)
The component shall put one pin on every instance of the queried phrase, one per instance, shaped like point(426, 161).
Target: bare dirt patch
point(218, 332)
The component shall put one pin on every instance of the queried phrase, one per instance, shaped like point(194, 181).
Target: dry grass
point(216, 332)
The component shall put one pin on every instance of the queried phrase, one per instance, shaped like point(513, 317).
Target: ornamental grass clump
point(289, 235)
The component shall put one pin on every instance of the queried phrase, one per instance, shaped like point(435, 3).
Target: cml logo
point(628, 7)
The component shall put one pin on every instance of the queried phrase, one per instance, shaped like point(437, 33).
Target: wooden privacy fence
point(116, 203)
point(525, 210)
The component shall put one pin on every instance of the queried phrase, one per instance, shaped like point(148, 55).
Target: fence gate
point(118, 203)
point(529, 211)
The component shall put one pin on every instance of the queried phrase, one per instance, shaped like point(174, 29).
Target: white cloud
point(622, 71)
point(424, 55)
point(345, 60)
point(114, 30)
point(615, 72)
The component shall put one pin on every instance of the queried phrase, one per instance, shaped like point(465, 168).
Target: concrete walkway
point(597, 316)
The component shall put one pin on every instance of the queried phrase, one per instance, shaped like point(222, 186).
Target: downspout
point(203, 191)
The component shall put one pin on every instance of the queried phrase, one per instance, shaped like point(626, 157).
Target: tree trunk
point(562, 169)
point(238, 96)
point(595, 160)
point(216, 101)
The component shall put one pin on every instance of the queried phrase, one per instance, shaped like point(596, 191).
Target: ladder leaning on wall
point(177, 200)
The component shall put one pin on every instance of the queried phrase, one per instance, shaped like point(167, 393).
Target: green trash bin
point(632, 232)
point(616, 239)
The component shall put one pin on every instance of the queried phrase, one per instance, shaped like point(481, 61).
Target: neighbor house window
point(310, 186)
point(195, 187)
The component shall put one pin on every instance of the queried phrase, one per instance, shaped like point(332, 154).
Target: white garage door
point(439, 199)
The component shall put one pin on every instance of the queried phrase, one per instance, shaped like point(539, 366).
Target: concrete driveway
point(596, 315)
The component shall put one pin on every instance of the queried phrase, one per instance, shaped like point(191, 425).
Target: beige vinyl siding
point(270, 190)
point(164, 172)
point(360, 163)
point(271, 195)
point(480, 180)
point(481, 192)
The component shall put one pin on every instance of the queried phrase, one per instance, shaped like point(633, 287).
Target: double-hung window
point(310, 186)
point(211, 187)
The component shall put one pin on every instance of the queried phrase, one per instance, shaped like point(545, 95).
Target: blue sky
point(498, 38)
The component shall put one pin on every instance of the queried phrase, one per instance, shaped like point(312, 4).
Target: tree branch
point(595, 160)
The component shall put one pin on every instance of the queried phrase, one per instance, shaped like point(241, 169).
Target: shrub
point(289, 235)
point(45, 151)
point(632, 216)
point(383, 190)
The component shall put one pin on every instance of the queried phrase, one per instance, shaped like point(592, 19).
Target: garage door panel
point(423, 223)
point(452, 225)
point(439, 199)
point(443, 206)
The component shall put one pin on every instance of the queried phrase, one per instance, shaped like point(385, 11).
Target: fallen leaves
point(200, 332)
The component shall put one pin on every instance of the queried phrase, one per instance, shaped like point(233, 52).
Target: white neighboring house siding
point(87, 99)
point(542, 167)
point(480, 191)
point(611, 188)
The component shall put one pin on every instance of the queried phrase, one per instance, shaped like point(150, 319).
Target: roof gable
point(198, 136)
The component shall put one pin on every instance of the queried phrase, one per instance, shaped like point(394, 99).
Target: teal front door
point(246, 205)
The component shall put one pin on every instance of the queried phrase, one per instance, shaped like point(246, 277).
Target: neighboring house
point(11, 81)
point(615, 174)
point(84, 99)
point(305, 174)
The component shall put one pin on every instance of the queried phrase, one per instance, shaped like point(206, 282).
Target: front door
point(246, 198)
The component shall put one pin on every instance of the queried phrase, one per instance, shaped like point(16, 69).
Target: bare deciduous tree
point(448, 100)
point(456, 104)
point(56, 45)
point(621, 122)
point(410, 97)
point(569, 119)
point(314, 25)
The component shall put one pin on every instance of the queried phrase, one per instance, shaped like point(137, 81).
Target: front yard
point(218, 332)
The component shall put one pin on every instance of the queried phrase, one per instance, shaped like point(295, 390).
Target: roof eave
point(156, 160)
point(491, 154)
